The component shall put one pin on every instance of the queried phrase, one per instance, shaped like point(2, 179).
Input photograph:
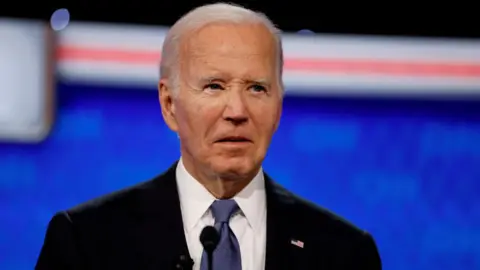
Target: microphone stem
point(210, 260)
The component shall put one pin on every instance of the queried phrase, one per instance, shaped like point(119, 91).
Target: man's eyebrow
point(209, 79)
point(260, 81)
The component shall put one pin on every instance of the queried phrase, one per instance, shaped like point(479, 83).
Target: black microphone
point(209, 239)
point(184, 262)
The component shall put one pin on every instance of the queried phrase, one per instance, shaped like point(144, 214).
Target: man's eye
point(258, 88)
point(214, 86)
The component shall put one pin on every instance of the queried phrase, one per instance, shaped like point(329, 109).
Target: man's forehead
point(216, 36)
point(211, 57)
point(222, 66)
point(218, 65)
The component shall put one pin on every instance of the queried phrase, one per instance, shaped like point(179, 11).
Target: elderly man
point(221, 90)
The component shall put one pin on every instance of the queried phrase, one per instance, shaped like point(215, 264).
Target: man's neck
point(220, 186)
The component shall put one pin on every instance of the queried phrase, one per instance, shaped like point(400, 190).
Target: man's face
point(229, 101)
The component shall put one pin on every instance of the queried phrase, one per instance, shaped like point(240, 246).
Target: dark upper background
point(450, 19)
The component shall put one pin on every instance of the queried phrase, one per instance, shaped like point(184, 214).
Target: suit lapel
point(279, 229)
point(161, 238)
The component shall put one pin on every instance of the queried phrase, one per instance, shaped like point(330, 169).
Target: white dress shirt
point(248, 225)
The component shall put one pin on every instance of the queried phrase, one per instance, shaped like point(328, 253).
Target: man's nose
point(236, 109)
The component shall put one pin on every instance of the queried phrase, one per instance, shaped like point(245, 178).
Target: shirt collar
point(195, 199)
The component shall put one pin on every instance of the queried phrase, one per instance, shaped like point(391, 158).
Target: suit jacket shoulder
point(139, 227)
point(115, 205)
point(320, 217)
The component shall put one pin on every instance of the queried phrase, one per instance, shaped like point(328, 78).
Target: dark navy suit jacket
point(141, 228)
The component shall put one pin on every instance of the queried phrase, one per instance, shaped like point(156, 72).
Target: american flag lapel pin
point(297, 243)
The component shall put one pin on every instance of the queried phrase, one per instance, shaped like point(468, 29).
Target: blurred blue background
point(405, 170)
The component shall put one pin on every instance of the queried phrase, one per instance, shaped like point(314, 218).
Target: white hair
point(201, 17)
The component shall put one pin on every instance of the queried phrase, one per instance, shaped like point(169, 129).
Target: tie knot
point(223, 209)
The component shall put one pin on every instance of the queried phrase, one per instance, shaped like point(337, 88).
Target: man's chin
point(234, 168)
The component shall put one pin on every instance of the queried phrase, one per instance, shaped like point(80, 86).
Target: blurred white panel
point(23, 81)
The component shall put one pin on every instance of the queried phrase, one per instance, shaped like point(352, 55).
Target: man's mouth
point(237, 139)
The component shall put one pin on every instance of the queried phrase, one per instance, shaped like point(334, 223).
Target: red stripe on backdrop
point(318, 65)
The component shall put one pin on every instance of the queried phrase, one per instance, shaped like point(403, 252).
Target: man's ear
point(165, 97)
point(279, 116)
point(279, 111)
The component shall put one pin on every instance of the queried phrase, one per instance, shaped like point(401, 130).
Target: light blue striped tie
point(227, 254)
